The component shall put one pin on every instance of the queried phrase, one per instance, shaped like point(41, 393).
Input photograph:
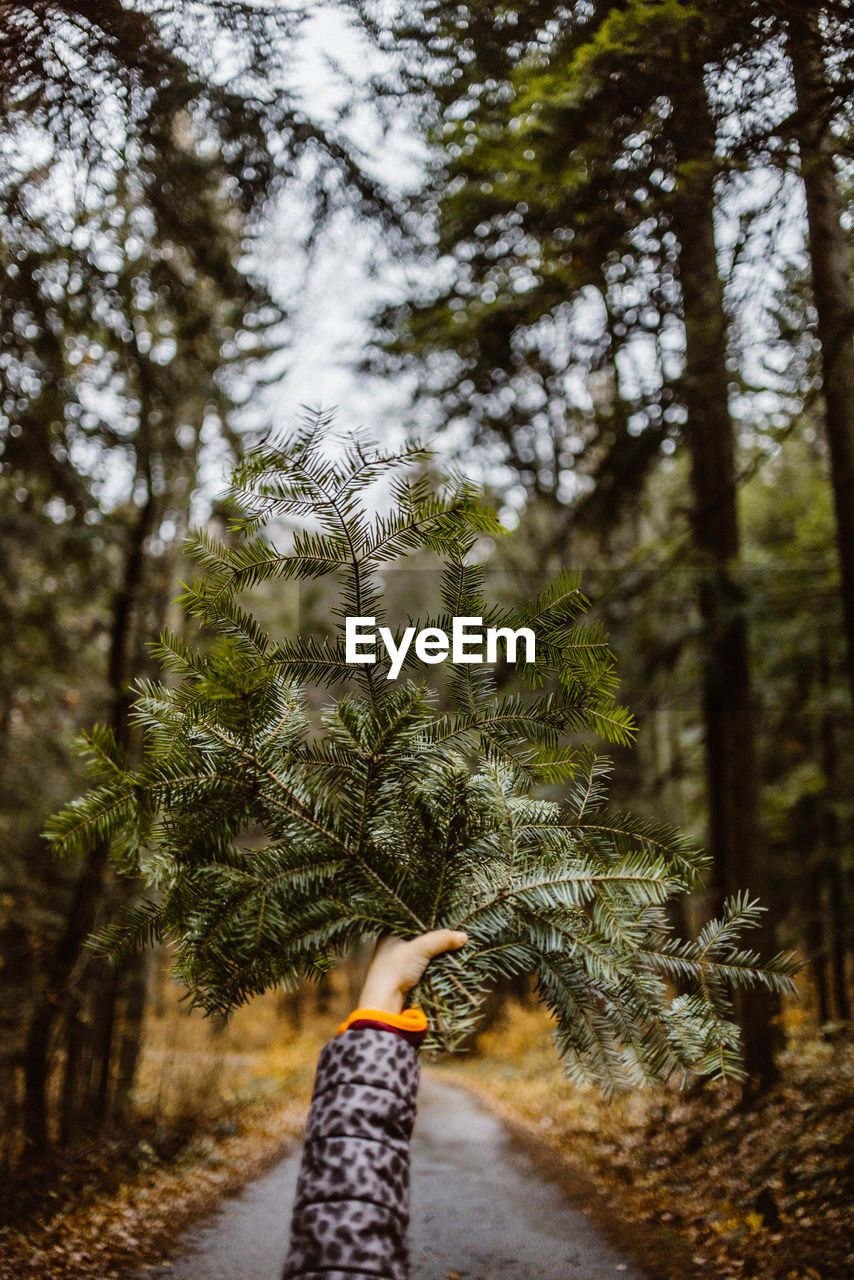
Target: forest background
point(601, 255)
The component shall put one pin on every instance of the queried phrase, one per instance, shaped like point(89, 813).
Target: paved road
point(480, 1210)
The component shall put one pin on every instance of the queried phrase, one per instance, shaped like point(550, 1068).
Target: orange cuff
point(411, 1020)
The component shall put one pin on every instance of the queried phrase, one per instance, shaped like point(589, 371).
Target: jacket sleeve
point(351, 1213)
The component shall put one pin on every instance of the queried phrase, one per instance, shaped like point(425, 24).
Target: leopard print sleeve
point(351, 1213)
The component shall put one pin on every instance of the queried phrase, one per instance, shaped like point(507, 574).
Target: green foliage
point(275, 838)
point(561, 140)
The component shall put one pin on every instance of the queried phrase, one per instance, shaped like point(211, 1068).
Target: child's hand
point(398, 966)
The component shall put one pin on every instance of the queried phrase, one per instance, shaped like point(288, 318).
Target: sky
point(330, 297)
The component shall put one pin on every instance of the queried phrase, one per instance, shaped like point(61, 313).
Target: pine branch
point(273, 835)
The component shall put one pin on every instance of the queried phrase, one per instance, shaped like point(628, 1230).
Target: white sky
point(330, 298)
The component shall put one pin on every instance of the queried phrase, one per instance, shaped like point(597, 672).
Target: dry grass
point(764, 1193)
point(215, 1105)
point(700, 1186)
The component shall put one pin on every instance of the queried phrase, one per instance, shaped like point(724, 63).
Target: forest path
point(481, 1209)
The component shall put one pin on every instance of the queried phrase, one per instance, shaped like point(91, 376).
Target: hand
point(399, 965)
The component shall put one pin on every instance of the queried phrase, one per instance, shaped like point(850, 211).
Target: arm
point(351, 1212)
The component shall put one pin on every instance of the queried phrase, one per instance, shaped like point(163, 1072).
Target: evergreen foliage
point(547, 255)
point(274, 839)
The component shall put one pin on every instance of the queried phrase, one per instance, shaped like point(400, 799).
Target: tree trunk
point(96, 1103)
point(73, 1037)
point(833, 845)
point(89, 890)
point(735, 834)
point(817, 946)
point(134, 991)
point(49, 1006)
point(832, 286)
point(838, 933)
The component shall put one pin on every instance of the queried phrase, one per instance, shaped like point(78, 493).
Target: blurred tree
point(121, 372)
point(575, 193)
point(806, 737)
point(140, 144)
point(820, 46)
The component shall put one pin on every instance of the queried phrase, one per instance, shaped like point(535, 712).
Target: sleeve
point(351, 1213)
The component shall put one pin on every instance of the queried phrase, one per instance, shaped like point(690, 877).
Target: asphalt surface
point(480, 1210)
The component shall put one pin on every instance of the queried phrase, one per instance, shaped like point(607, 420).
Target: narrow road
point(480, 1211)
